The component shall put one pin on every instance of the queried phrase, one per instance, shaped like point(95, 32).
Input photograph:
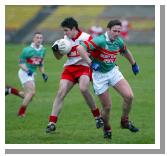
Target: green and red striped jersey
point(32, 57)
point(104, 51)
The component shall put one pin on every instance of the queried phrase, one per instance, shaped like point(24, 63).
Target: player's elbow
point(80, 48)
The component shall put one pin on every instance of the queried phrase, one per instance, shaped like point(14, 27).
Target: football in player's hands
point(63, 46)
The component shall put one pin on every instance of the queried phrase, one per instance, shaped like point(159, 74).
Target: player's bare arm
point(130, 57)
point(83, 53)
point(42, 69)
point(23, 66)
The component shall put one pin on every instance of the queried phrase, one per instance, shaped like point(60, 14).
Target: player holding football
point(75, 71)
point(105, 73)
point(31, 58)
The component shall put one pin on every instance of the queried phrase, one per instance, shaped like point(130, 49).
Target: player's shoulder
point(84, 36)
point(27, 48)
point(120, 40)
point(44, 49)
point(100, 38)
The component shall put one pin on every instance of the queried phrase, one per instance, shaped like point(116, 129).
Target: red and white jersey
point(74, 57)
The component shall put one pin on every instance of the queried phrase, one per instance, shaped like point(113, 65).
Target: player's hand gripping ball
point(63, 46)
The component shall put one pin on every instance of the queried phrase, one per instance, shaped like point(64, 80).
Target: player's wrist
point(89, 62)
point(134, 64)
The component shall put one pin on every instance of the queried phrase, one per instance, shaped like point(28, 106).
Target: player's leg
point(14, 91)
point(124, 89)
point(29, 93)
point(84, 81)
point(101, 85)
point(64, 87)
point(106, 107)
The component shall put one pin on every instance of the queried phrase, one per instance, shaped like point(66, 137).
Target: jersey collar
point(33, 46)
point(79, 33)
point(107, 37)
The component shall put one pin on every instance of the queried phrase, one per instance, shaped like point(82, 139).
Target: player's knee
point(32, 93)
point(129, 97)
point(83, 89)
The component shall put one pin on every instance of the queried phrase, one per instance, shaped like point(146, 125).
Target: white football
point(64, 46)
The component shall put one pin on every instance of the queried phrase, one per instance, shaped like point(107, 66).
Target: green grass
point(76, 124)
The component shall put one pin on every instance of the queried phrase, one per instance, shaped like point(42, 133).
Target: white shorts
point(24, 77)
point(102, 81)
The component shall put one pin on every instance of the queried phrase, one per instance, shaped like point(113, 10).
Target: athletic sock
point(124, 120)
point(14, 91)
point(22, 110)
point(53, 119)
point(96, 113)
point(107, 128)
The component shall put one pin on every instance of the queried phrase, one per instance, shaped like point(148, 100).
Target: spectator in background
point(95, 30)
point(125, 29)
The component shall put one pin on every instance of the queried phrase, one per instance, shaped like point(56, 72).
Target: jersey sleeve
point(123, 49)
point(92, 44)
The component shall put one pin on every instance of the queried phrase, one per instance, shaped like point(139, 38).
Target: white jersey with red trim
point(74, 57)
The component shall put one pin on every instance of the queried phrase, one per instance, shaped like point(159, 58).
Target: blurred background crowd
point(22, 21)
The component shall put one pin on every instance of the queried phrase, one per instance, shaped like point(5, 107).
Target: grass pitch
point(76, 124)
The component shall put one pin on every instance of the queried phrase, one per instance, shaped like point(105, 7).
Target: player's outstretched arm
point(130, 58)
point(44, 75)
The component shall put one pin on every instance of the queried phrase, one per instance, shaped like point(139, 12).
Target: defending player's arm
point(128, 55)
point(83, 51)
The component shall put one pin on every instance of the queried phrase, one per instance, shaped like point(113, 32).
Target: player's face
point(114, 32)
point(69, 32)
point(38, 39)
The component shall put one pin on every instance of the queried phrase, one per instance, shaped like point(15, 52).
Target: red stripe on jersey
point(34, 60)
point(73, 52)
point(90, 38)
point(102, 56)
point(108, 51)
point(93, 44)
point(74, 48)
point(79, 34)
point(87, 44)
point(104, 50)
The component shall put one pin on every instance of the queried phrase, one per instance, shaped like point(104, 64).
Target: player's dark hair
point(113, 23)
point(70, 22)
point(37, 32)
